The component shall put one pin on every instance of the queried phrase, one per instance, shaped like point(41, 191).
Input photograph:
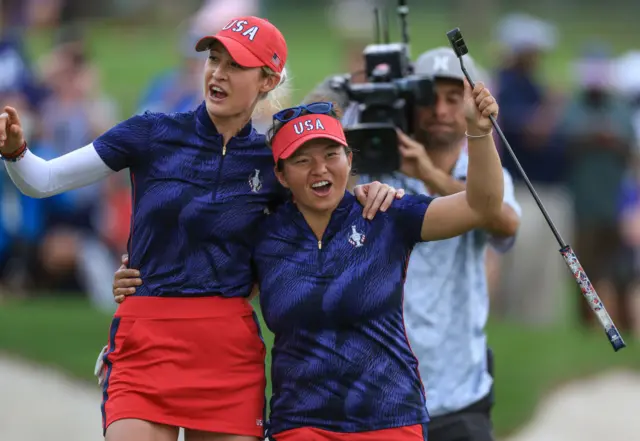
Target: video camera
point(386, 101)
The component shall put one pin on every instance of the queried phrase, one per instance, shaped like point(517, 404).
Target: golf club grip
point(592, 298)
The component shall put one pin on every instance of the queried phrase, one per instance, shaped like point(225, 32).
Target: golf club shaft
point(569, 256)
point(506, 144)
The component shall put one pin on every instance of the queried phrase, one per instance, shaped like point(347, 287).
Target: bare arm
point(505, 224)
point(39, 178)
point(442, 183)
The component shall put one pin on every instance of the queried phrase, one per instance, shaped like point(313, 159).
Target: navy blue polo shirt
point(341, 359)
point(196, 204)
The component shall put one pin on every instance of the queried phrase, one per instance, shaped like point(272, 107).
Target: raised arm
point(481, 203)
point(39, 178)
point(118, 148)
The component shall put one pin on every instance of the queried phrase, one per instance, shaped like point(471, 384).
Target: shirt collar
point(343, 208)
point(207, 128)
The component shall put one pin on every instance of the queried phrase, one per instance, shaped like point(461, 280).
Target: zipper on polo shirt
point(215, 192)
point(319, 244)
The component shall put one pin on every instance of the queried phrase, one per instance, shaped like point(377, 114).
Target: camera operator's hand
point(415, 161)
point(478, 105)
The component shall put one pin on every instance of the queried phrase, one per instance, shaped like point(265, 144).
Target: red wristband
point(17, 155)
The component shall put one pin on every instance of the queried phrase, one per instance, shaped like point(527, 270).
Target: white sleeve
point(39, 178)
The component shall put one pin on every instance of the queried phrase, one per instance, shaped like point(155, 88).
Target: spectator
point(178, 89)
point(598, 133)
point(71, 256)
point(74, 114)
point(16, 73)
point(627, 82)
point(22, 219)
point(627, 268)
point(526, 119)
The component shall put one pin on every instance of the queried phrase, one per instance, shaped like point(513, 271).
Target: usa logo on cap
point(251, 42)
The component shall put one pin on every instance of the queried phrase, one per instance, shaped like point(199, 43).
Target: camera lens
point(375, 148)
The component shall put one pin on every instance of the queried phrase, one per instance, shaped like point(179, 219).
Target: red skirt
point(196, 363)
point(406, 433)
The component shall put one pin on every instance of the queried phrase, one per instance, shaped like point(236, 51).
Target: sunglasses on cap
point(317, 108)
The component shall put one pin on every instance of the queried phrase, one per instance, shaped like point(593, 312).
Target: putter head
point(457, 42)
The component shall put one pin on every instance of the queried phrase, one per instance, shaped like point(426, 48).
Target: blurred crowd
point(61, 244)
point(579, 148)
point(71, 243)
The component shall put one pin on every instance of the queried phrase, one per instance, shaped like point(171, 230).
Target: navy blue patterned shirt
point(341, 359)
point(196, 204)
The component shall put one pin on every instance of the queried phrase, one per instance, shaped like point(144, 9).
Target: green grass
point(63, 333)
point(531, 362)
point(67, 334)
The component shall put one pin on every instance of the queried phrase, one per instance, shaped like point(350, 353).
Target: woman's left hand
point(375, 197)
point(125, 280)
point(479, 104)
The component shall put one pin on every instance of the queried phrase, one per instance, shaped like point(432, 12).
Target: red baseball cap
point(251, 42)
point(304, 128)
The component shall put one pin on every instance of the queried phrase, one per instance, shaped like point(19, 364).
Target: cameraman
point(446, 294)
point(446, 298)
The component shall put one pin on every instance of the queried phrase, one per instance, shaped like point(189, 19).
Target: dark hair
point(336, 113)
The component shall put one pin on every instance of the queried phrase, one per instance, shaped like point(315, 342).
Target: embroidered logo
point(255, 182)
point(239, 26)
point(357, 238)
point(441, 64)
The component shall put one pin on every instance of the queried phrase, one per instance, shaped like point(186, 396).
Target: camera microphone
point(403, 13)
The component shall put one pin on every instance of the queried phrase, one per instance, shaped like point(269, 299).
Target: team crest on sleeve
point(356, 238)
point(255, 182)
